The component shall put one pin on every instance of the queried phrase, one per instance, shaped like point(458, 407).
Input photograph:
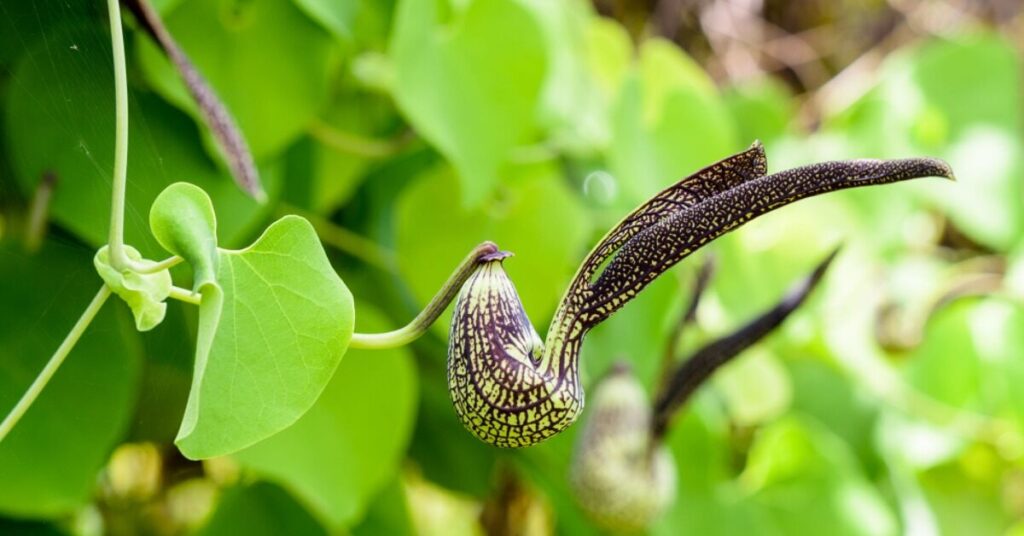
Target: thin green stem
point(118, 259)
point(186, 295)
point(143, 268)
point(55, 362)
point(437, 305)
point(348, 142)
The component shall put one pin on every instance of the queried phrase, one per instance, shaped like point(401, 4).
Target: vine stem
point(55, 362)
point(348, 142)
point(118, 258)
point(186, 295)
point(437, 305)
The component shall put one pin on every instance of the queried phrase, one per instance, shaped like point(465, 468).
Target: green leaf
point(946, 365)
point(756, 387)
point(969, 497)
point(757, 262)
point(166, 376)
point(388, 514)
point(183, 222)
point(336, 17)
point(762, 110)
point(66, 125)
point(448, 455)
point(144, 293)
point(970, 357)
point(806, 479)
point(958, 99)
point(821, 391)
point(453, 62)
point(266, 60)
point(668, 122)
point(22, 20)
point(573, 114)
point(272, 331)
point(260, 509)
point(50, 460)
point(322, 176)
point(534, 216)
point(609, 55)
point(348, 446)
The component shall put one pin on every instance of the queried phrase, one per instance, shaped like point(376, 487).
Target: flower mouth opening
point(497, 255)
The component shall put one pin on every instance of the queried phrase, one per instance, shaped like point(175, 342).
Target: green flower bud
point(620, 476)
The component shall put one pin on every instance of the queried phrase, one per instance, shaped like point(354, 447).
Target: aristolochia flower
point(511, 389)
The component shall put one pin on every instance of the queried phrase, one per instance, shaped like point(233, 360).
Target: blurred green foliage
point(408, 131)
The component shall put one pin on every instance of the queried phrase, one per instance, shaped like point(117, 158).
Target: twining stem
point(118, 258)
point(55, 361)
point(437, 305)
point(348, 142)
point(186, 295)
point(169, 262)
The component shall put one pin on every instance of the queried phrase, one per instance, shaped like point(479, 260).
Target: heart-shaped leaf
point(453, 62)
point(669, 121)
point(272, 331)
point(336, 17)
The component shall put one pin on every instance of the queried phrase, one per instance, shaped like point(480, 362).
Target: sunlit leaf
point(965, 499)
point(946, 365)
point(669, 121)
point(756, 387)
point(272, 331)
point(453, 61)
point(806, 478)
point(337, 17)
point(958, 99)
point(762, 110)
